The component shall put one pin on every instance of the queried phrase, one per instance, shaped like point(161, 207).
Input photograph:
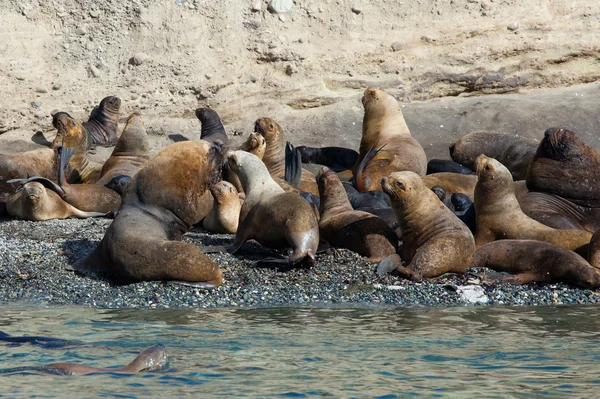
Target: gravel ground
point(33, 256)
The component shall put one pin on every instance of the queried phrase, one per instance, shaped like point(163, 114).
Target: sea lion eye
point(73, 123)
point(487, 167)
point(372, 94)
point(400, 185)
point(271, 126)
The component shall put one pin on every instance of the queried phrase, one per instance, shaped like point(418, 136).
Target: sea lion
point(33, 202)
point(152, 358)
point(44, 342)
point(443, 165)
point(434, 240)
point(254, 144)
point(337, 159)
point(343, 227)
point(513, 152)
point(274, 218)
point(386, 145)
point(103, 125)
point(537, 261)
point(163, 200)
point(225, 214)
point(452, 182)
point(274, 156)
point(594, 250)
point(499, 215)
point(212, 127)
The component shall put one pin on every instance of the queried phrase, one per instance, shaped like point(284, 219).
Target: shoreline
point(33, 256)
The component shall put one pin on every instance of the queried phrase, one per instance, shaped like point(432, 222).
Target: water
point(294, 353)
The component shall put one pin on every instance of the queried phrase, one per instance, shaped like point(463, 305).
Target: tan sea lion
point(274, 156)
point(513, 152)
point(152, 358)
point(103, 124)
point(435, 241)
point(343, 227)
point(254, 144)
point(274, 218)
point(163, 200)
point(537, 261)
point(225, 214)
point(386, 145)
point(452, 183)
point(33, 202)
point(499, 216)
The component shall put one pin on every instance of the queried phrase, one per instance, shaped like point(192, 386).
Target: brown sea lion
point(499, 215)
point(343, 227)
point(537, 261)
point(152, 358)
point(163, 200)
point(103, 125)
point(33, 202)
point(386, 145)
point(452, 182)
point(254, 144)
point(435, 241)
point(274, 156)
point(513, 152)
point(274, 218)
point(225, 214)
point(594, 250)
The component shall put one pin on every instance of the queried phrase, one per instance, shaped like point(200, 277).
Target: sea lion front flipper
point(198, 285)
point(358, 178)
point(64, 155)
point(388, 265)
point(42, 180)
point(293, 165)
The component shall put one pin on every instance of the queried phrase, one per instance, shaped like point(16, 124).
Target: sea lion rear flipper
point(42, 180)
point(293, 165)
point(197, 284)
point(84, 215)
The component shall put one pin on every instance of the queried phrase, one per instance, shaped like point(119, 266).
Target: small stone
point(256, 6)
point(94, 13)
point(290, 70)
point(40, 115)
point(427, 39)
point(208, 76)
point(138, 59)
point(134, 96)
point(54, 112)
point(280, 6)
point(253, 78)
point(513, 26)
point(397, 46)
point(94, 71)
point(282, 17)
point(36, 104)
point(56, 86)
point(41, 90)
point(19, 77)
point(81, 31)
point(357, 9)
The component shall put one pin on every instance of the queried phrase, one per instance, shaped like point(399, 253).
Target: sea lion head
point(70, 133)
point(440, 192)
point(461, 202)
point(324, 177)
point(268, 128)
point(492, 173)
point(110, 104)
point(118, 183)
point(402, 186)
point(152, 358)
point(378, 101)
point(255, 144)
point(250, 169)
point(34, 192)
point(560, 145)
point(207, 115)
point(224, 191)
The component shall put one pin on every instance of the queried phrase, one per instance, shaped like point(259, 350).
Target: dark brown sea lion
point(537, 261)
point(443, 165)
point(274, 218)
point(103, 125)
point(152, 358)
point(386, 145)
point(594, 250)
point(343, 227)
point(499, 215)
point(337, 159)
point(452, 182)
point(212, 127)
point(163, 200)
point(274, 156)
point(434, 240)
point(513, 152)
point(225, 215)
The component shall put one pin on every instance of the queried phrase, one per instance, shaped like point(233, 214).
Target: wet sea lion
point(443, 165)
point(274, 156)
point(337, 159)
point(499, 215)
point(513, 152)
point(103, 124)
point(386, 145)
point(274, 218)
point(434, 240)
point(163, 200)
point(537, 261)
point(343, 227)
point(225, 214)
point(452, 182)
point(33, 202)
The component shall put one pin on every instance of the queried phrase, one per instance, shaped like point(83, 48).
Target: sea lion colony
point(473, 211)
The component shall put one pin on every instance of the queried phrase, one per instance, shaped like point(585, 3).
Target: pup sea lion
point(452, 182)
point(225, 214)
point(103, 125)
point(163, 200)
point(33, 202)
point(337, 159)
point(513, 152)
point(386, 145)
point(434, 240)
point(343, 227)
point(537, 261)
point(500, 217)
point(274, 156)
point(274, 218)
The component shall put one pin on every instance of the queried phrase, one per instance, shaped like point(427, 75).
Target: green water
point(457, 352)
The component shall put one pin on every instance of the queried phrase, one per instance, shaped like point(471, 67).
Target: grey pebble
point(81, 31)
point(513, 26)
point(94, 13)
point(56, 86)
point(138, 59)
point(41, 90)
point(280, 6)
point(95, 71)
point(36, 104)
point(397, 46)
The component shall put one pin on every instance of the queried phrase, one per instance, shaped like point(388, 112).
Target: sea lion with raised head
point(271, 216)
point(103, 125)
point(537, 261)
point(343, 227)
point(163, 200)
point(434, 240)
point(225, 214)
point(212, 127)
point(513, 152)
point(499, 215)
point(386, 145)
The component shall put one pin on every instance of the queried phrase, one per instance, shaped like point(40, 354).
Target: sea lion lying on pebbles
point(499, 215)
point(343, 227)
point(386, 145)
point(434, 240)
point(103, 125)
point(162, 202)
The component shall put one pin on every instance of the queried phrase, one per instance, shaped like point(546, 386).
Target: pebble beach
point(35, 255)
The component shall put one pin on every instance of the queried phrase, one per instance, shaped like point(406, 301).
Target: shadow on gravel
point(77, 249)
